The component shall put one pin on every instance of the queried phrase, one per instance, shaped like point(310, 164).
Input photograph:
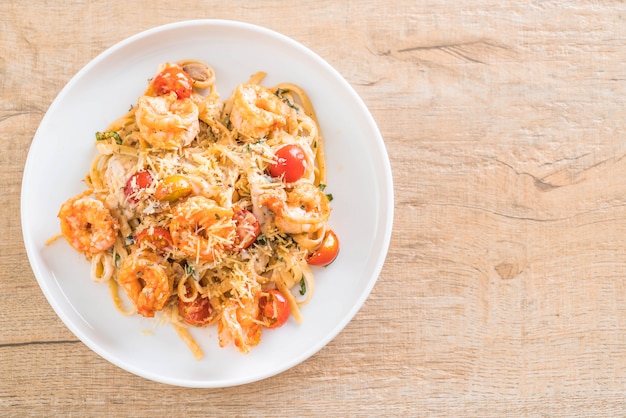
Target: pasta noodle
point(207, 211)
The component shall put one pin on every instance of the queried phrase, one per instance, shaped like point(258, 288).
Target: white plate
point(359, 177)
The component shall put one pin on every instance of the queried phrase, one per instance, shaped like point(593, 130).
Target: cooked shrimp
point(256, 111)
point(166, 122)
point(202, 229)
point(239, 324)
point(302, 209)
point(146, 282)
point(87, 224)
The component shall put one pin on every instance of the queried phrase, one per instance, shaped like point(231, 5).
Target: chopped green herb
point(280, 93)
point(191, 271)
point(302, 286)
point(322, 186)
point(261, 239)
point(291, 105)
point(103, 136)
point(329, 196)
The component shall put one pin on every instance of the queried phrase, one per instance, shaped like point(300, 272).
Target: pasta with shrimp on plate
point(207, 211)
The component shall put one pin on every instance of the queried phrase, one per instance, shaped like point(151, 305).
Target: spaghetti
point(206, 211)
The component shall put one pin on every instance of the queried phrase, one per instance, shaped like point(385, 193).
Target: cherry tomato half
point(247, 228)
point(138, 181)
point(327, 252)
point(173, 188)
point(290, 163)
point(274, 307)
point(173, 79)
point(198, 312)
point(156, 236)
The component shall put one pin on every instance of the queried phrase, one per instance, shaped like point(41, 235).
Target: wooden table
point(503, 293)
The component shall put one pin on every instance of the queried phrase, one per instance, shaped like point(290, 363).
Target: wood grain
point(503, 293)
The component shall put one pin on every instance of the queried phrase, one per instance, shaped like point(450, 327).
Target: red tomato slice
point(157, 236)
point(248, 229)
point(173, 79)
point(290, 163)
point(275, 309)
point(138, 181)
point(197, 312)
point(327, 252)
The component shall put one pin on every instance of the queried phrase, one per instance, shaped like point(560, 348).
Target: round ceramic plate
point(359, 177)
